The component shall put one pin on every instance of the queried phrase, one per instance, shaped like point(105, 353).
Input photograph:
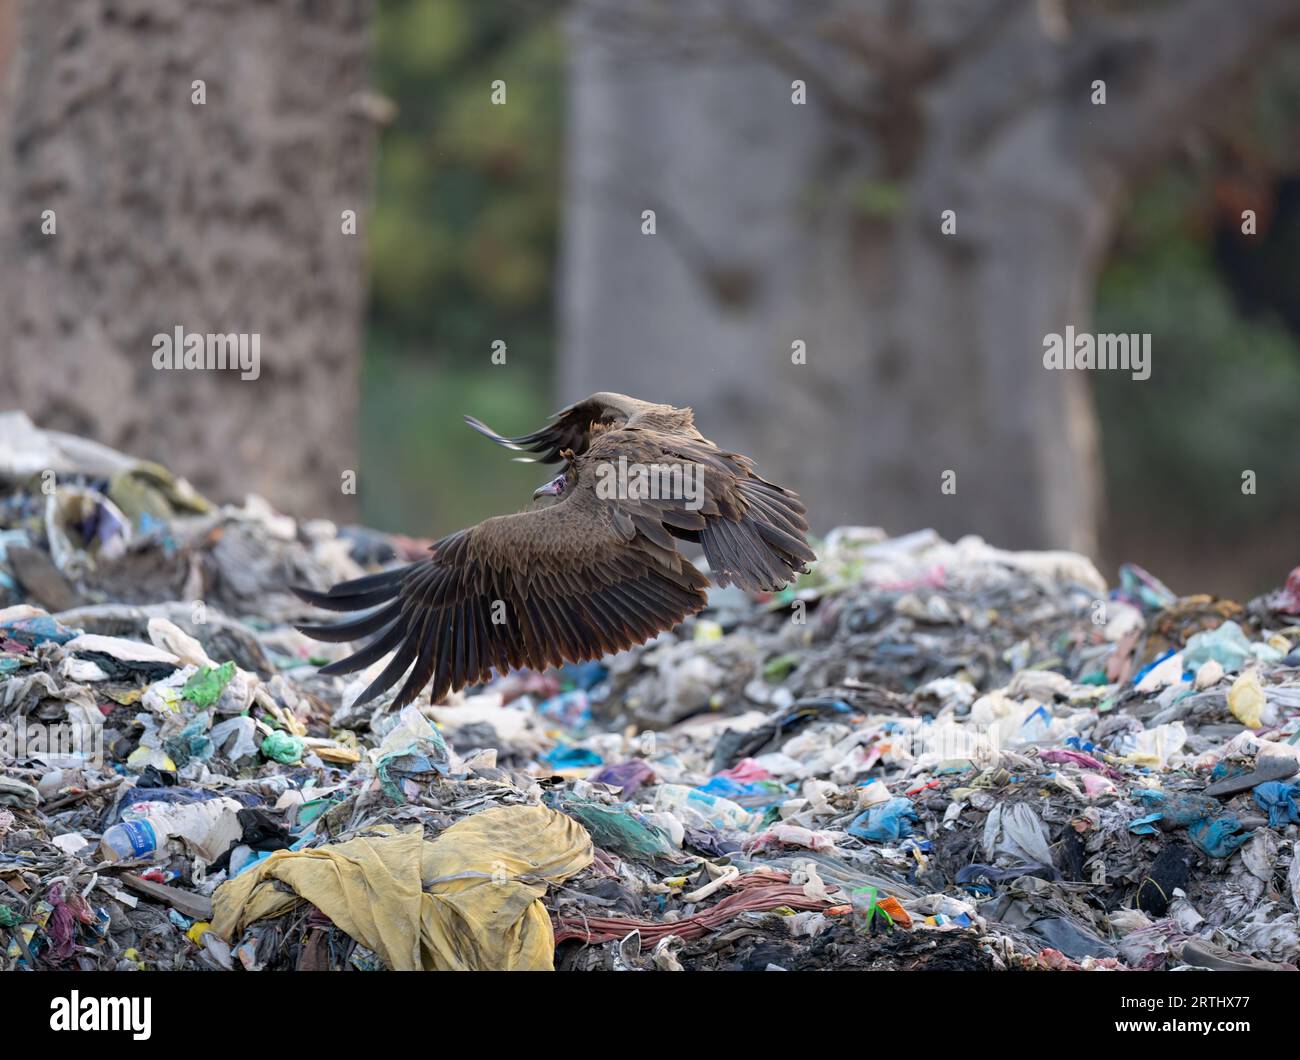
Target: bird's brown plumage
point(580, 575)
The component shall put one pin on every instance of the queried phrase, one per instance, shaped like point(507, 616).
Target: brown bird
point(589, 569)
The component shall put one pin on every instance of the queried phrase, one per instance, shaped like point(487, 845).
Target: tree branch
point(1167, 67)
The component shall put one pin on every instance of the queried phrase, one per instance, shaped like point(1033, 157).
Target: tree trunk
point(222, 217)
point(779, 223)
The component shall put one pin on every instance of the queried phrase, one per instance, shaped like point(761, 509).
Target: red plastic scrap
point(1288, 599)
point(70, 909)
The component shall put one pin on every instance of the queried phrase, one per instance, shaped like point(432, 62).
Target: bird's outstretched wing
point(573, 581)
point(593, 572)
point(571, 428)
point(752, 531)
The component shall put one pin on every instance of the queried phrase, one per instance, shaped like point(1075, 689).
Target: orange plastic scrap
point(897, 913)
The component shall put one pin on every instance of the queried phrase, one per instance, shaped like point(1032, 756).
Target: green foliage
point(1225, 386)
point(464, 224)
point(425, 472)
point(1221, 398)
point(880, 199)
point(462, 243)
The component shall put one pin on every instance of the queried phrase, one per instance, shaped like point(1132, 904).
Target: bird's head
point(554, 488)
point(550, 492)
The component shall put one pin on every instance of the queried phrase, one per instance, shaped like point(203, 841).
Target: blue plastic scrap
point(886, 823)
point(1278, 799)
point(1217, 836)
point(566, 757)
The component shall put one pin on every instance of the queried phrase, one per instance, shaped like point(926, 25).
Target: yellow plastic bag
point(467, 900)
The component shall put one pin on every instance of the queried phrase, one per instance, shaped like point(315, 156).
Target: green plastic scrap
point(780, 666)
point(413, 749)
point(9, 916)
point(1227, 645)
point(283, 747)
point(868, 907)
point(1150, 591)
point(313, 808)
point(206, 686)
point(192, 742)
point(616, 829)
point(149, 491)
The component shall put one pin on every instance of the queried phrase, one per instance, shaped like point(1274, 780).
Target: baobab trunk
point(169, 165)
point(845, 236)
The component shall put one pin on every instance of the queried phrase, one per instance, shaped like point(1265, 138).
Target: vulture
point(590, 568)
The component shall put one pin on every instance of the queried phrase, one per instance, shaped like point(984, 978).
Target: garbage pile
point(926, 755)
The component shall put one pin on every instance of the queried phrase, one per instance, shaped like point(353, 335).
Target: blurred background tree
point(776, 222)
point(466, 248)
point(196, 161)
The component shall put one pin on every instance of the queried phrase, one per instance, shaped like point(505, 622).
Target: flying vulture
point(590, 568)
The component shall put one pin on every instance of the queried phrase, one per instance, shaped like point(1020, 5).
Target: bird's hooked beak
point(551, 489)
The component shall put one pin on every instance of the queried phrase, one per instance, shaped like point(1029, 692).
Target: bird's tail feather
point(763, 550)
